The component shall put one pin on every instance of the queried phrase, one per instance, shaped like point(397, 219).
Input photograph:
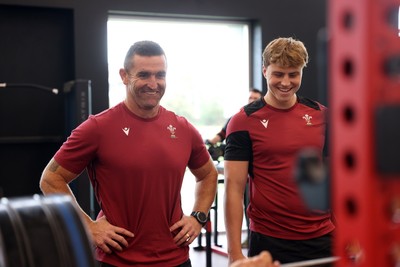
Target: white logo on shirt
point(308, 119)
point(126, 130)
point(264, 122)
point(172, 130)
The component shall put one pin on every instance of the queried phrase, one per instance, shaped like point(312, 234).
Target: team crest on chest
point(308, 119)
point(172, 130)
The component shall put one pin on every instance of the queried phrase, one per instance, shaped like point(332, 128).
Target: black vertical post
point(78, 107)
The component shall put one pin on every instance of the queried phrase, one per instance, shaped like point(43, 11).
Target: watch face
point(202, 216)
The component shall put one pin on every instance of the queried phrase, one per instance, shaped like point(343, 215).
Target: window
point(208, 64)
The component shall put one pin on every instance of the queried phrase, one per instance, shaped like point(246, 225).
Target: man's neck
point(273, 102)
point(140, 112)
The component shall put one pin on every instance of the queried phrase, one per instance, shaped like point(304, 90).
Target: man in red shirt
point(136, 154)
point(263, 141)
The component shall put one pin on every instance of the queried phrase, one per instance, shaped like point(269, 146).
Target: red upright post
point(364, 102)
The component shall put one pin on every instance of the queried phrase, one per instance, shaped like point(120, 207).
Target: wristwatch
point(200, 216)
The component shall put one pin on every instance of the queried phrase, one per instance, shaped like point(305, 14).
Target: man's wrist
point(200, 216)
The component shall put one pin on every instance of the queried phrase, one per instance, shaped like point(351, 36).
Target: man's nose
point(285, 80)
point(152, 82)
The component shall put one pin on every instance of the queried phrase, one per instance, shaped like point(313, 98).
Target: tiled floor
point(218, 255)
point(199, 258)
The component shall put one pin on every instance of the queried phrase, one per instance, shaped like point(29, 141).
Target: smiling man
point(136, 154)
point(264, 140)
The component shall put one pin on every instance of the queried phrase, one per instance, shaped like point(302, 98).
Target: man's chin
point(151, 106)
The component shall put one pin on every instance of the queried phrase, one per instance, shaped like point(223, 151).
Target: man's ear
point(264, 71)
point(123, 75)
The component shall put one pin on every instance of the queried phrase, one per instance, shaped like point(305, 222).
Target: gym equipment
point(317, 262)
point(311, 175)
point(365, 110)
point(42, 231)
point(49, 125)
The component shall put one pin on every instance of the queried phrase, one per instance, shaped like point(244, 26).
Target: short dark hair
point(142, 48)
point(255, 90)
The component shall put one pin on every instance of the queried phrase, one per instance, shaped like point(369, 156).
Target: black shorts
point(286, 251)
point(185, 264)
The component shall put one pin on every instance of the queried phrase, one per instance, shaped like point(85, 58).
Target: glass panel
point(208, 65)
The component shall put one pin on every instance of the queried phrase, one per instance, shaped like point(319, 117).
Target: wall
point(35, 57)
point(302, 19)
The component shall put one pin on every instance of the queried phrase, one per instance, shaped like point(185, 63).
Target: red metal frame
point(363, 200)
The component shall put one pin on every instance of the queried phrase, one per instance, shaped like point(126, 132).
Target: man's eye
point(143, 75)
point(160, 75)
